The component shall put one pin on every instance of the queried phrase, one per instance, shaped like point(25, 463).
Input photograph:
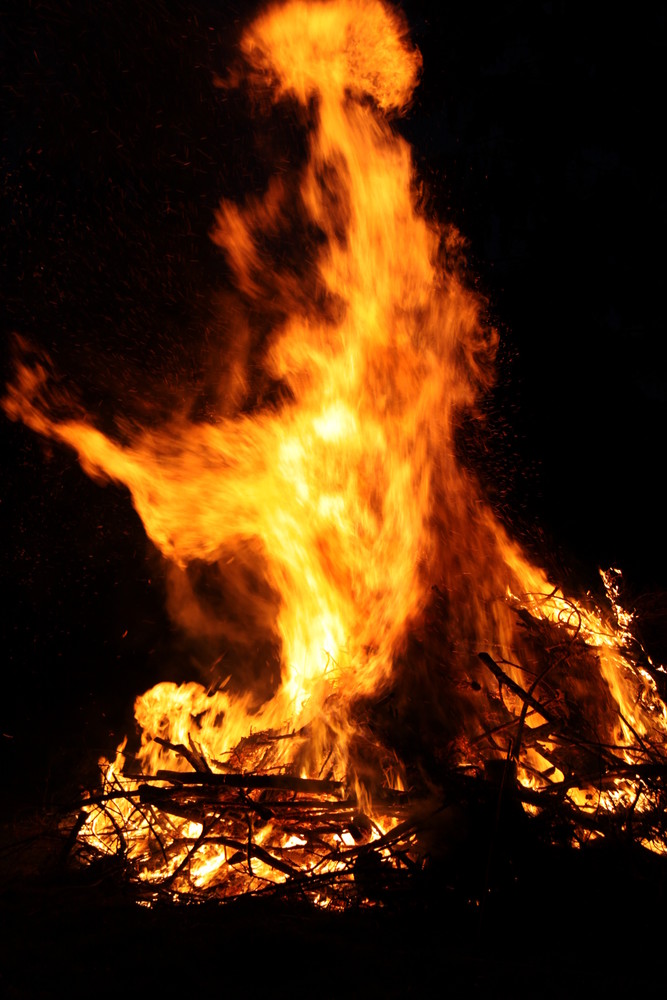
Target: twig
point(516, 688)
point(193, 757)
point(255, 851)
point(73, 834)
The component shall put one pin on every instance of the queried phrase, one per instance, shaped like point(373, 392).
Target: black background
point(537, 129)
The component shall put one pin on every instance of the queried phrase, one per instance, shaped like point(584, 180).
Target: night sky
point(537, 129)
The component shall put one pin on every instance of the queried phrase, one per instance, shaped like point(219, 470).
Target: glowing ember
point(347, 494)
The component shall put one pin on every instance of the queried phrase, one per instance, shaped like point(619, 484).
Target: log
point(277, 782)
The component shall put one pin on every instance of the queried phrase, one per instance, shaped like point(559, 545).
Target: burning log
point(279, 782)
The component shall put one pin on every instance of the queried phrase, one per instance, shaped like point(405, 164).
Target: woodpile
point(205, 833)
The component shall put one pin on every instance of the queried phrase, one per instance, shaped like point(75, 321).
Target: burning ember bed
point(404, 711)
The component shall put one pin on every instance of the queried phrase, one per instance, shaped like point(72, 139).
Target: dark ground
point(556, 923)
point(538, 129)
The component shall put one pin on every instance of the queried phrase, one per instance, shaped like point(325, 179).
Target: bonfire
point(430, 671)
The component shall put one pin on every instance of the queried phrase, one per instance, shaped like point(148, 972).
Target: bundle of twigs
point(584, 787)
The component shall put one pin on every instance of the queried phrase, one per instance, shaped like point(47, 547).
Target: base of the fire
point(535, 775)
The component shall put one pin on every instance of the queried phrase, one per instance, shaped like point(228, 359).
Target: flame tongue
point(351, 462)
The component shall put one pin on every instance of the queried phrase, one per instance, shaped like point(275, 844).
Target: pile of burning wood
point(536, 767)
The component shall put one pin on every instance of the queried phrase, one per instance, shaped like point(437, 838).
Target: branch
point(278, 782)
point(514, 687)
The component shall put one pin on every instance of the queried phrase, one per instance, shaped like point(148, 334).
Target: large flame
point(338, 484)
point(347, 492)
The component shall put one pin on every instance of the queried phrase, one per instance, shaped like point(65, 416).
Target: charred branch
point(515, 688)
point(193, 756)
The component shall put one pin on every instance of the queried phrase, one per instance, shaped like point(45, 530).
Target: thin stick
point(516, 688)
point(193, 758)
